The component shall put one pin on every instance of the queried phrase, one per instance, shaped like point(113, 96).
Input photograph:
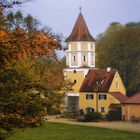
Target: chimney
point(108, 69)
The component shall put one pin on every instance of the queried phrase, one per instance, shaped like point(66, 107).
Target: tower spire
point(80, 31)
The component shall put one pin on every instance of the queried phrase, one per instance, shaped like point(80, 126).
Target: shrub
point(92, 116)
point(89, 117)
point(114, 115)
point(21, 110)
point(10, 121)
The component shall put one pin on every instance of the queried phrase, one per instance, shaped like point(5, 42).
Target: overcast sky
point(61, 15)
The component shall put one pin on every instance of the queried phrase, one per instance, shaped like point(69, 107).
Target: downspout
point(97, 102)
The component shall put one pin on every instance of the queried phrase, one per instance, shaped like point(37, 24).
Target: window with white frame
point(102, 109)
point(89, 96)
point(102, 96)
point(84, 57)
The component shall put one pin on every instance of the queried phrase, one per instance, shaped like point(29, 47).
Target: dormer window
point(98, 82)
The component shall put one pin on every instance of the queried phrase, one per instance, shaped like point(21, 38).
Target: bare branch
point(11, 3)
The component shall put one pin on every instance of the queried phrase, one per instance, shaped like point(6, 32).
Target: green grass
point(56, 131)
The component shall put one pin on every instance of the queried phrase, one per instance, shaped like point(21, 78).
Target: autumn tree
point(28, 70)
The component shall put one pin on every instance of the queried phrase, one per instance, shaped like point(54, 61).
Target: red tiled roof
point(119, 96)
point(80, 31)
point(98, 80)
point(134, 99)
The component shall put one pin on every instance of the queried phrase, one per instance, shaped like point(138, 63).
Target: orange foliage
point(44, 45)
point(3, 32)
point(19, 44)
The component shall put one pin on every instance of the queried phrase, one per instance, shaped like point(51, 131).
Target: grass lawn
point(56, 131)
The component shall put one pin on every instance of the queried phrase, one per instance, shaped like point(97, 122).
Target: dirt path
point(126, 126)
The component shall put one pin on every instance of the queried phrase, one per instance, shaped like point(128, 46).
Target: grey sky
point(60, 15)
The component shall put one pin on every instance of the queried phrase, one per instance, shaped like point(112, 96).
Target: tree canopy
point(120, 49)
point(31, 77)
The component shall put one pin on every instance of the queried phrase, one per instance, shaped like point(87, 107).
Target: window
point(102, 109)
point(74, 59)
point(84, 58)
point(89, 96)
point(117, 85)
point(89, 109)
point(75, 81)
point(102, 97)
point(98, 82)
point(74, 71)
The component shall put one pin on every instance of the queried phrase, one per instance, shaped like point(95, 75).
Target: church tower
point(80, 58)
point(80, 55)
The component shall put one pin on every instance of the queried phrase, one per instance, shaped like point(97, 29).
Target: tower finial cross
point(80, 8)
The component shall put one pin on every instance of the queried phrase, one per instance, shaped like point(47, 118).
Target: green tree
point(113, 28)
point(121, 50)
point(30, 23)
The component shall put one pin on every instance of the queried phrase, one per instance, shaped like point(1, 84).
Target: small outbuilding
point(131, 108)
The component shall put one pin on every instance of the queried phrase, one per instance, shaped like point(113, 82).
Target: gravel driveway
point(126, 126)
